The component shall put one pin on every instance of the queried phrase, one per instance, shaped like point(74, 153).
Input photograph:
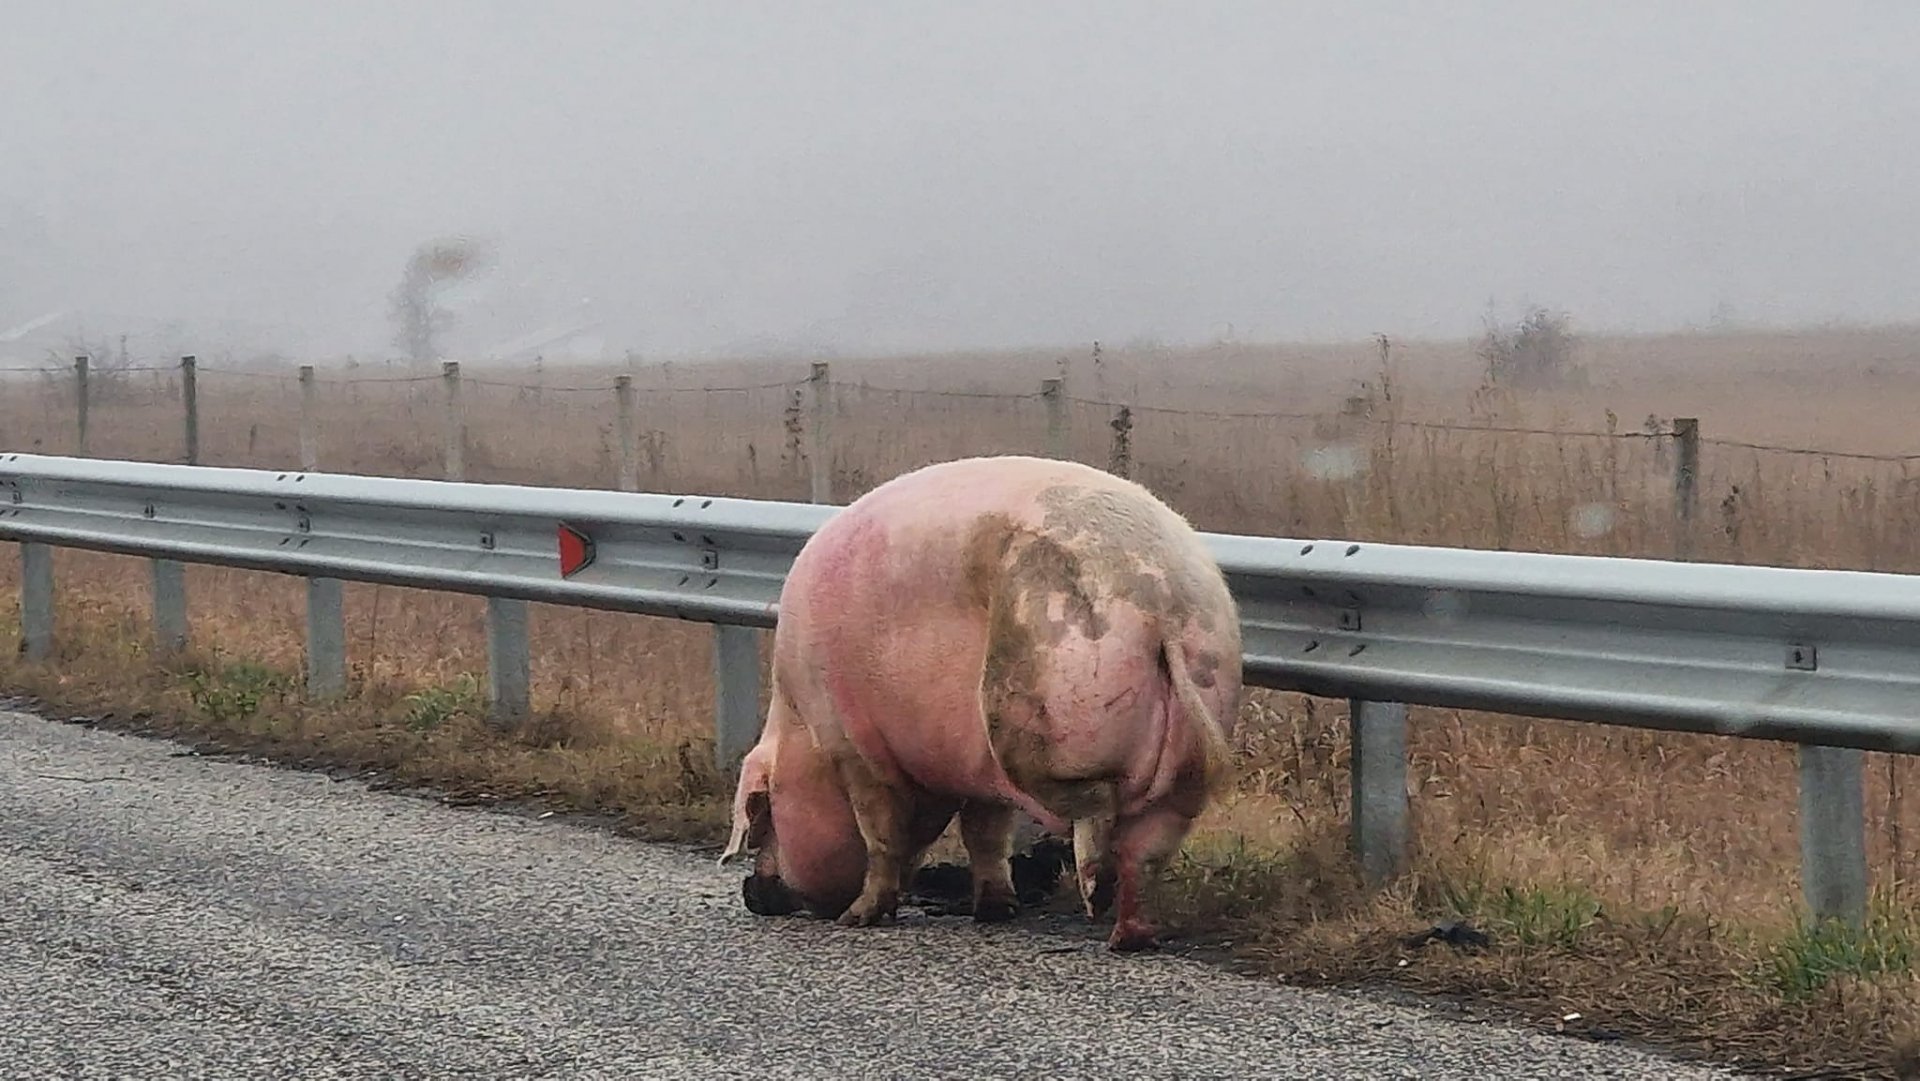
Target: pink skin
point(817, 854)
point(878, 662)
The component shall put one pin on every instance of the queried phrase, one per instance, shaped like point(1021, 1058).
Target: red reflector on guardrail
point(576, 551)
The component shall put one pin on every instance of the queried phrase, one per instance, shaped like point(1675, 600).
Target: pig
point(989, 637)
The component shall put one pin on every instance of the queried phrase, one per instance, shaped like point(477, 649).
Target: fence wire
point(102, 379)
point(1342, 470)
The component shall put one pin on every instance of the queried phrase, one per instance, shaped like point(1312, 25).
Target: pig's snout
point(767, 895)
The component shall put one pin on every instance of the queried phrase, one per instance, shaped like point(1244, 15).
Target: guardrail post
point(170, 576)
point(36, 601)
point(309, 421)
point(736, 701)
point(509, 678)
point(81, 400)
point(326, 638)
point(326, 602)
point(1833, 832)
point(1380, 814)
point(456, 422)
point(1053, 391)
point(190, 395)
point(629, 478)
point(819, 452)
point(169, 606)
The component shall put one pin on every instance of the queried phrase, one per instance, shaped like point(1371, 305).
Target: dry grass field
point(1646, 882)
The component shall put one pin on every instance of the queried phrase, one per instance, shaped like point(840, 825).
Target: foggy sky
point(875, 176)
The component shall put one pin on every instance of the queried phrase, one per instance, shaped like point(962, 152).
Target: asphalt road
point(165, 916)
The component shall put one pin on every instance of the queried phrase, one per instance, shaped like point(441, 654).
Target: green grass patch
point(231, 693)
point(432, 707)
point(1555, 915)
point(1817, 952)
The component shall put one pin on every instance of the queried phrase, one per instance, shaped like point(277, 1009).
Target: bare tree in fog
point(110, 366)
point(415, 305)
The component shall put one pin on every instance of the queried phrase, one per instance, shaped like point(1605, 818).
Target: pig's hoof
point(995, 906)
point(868, 912)
point(1131, 936)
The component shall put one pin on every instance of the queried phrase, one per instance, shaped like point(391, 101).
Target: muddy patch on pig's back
point(1133, 549)
point(1037, 589)
point(1032, 589)
point(1024, 572)
point(1029, 588)
point(1085, 551)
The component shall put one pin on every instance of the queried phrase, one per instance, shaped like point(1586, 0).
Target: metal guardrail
point(687, 557)
point(1830, 657)
point(1826, 659)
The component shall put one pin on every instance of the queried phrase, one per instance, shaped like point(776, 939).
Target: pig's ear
point(752, 821)
point(752, 810)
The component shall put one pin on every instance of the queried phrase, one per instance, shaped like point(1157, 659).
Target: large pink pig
point(989, 637)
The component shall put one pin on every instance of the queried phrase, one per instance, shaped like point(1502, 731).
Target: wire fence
point(53, 374)
point(1360, 469)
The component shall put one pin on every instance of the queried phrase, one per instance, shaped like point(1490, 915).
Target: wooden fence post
point(81, 398)
point(1120, 459)
point(309, 421)
point(190, 394)
point(1053, 391)
point(1686, 470)
point(628, 479)
point(456, 450)
point(819, 445)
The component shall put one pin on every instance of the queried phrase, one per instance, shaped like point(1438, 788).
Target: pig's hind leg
point(1093, 862)
point(1141, 846)
point(986, 828)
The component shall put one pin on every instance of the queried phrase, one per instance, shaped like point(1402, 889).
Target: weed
point(432, 707)
point(1222, 877)
point(235, 692)
point(1532, 915)
point(1234, 880)
point(1817, 952)
point(1547, 916)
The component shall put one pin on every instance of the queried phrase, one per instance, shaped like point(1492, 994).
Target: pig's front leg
point(882, 816)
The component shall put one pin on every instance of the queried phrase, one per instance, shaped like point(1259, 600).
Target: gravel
point(167, 915)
